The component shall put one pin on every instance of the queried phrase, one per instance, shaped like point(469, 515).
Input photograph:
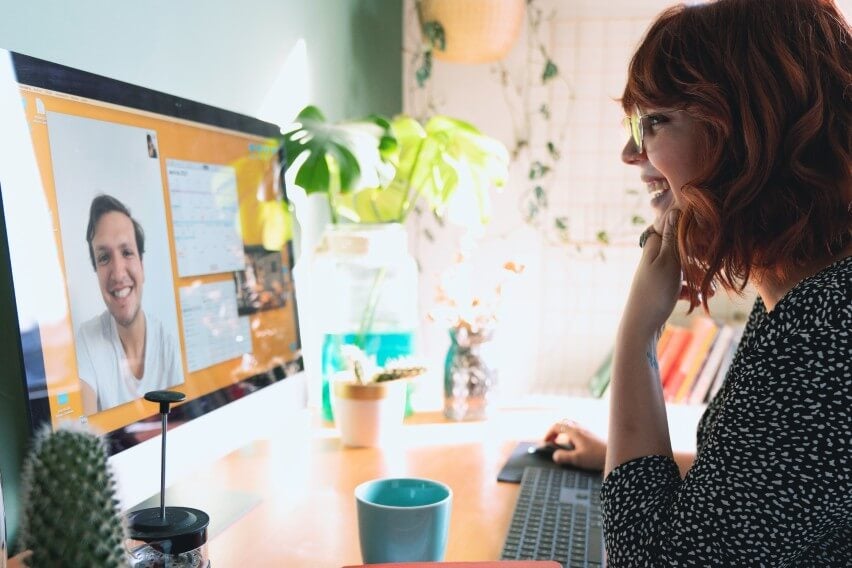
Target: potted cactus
point(71, 514)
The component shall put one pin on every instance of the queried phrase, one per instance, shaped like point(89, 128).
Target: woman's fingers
point(552, 433)
point(668, 245)
point(565, 457)
point(661, 246)
point(585, 450)
point(643, 238)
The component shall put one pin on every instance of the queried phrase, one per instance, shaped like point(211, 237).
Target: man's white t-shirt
point(103, 365)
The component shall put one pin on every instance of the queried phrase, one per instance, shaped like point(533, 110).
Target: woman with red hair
point(740, 118)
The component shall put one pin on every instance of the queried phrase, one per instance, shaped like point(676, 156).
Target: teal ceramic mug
point(403, 519)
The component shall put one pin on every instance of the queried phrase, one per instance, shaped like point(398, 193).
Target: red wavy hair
point(770, 84)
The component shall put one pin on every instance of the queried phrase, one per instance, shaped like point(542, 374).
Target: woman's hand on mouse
point(589, 451)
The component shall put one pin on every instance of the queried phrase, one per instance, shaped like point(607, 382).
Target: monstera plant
point(376, 170)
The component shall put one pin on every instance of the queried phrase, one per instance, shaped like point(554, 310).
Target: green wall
point(355, 54)
point(228, 58)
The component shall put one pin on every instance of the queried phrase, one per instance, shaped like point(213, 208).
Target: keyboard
point(557, 517)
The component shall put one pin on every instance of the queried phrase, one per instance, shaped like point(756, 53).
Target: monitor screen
point(150, 251)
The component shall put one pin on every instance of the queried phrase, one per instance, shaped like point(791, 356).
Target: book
point(726, 363)
point(605, 393)
point(665, 336)
point(703, 333)
point(670, 356)
point(600, 379)
point(711, 365)
point(599, 383)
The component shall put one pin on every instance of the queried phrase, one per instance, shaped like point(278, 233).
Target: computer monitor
point(125, 205)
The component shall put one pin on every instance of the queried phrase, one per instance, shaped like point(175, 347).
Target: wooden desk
point(306, 516)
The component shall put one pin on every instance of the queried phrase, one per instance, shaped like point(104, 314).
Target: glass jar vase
point(365, 295)
point(470, 377)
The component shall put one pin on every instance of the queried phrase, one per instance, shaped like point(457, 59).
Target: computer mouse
point(546, 450)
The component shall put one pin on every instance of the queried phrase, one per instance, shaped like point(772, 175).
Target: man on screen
point(122, 353)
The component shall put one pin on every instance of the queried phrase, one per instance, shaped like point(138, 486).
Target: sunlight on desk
point(306, 481)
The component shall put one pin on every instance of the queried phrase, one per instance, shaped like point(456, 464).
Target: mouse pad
point(513, 469)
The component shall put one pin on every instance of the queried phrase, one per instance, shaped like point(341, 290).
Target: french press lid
point(170, 530)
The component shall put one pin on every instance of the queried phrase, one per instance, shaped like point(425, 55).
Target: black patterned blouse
point(772, 480)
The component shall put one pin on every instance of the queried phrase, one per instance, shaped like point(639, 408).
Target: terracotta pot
point(476, 31)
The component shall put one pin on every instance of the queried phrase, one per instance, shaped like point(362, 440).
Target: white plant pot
point(369, 415)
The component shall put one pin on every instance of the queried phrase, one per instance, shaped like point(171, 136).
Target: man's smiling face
point(119, 267)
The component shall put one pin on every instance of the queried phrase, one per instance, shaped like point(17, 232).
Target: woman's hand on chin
point(657, 283)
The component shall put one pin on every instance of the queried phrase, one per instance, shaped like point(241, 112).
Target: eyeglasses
point(635, 126)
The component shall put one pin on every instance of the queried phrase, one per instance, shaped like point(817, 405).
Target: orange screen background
point(273, 332)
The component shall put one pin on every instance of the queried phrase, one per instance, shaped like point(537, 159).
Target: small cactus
point(71, 516)
point(391, 374)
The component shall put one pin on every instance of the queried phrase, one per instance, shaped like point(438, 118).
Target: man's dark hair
point(101, 205)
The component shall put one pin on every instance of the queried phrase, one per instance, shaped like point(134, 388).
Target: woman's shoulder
point(808, 333)
point(824, 299)
point(837, 276)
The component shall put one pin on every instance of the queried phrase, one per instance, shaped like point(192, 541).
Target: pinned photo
point(265, 284)
point(152, 146)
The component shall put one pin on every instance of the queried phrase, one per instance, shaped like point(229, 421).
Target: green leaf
point(532, 212)
point(371, 205)
point(538, 170)
point(310, 113)
point(445, 157)
point(438, 161)
point(350, 170)
point(433, 32)
point(435, 36)
point(544, 111)
point(637, 220)
point(310, 141)
point(424, 70)
point(553, 151)
point(409, 135)
point(550, 71)
point(561, 224)
point(387, 141)
point(379, 120)
point(313, 176)
point(602, 237)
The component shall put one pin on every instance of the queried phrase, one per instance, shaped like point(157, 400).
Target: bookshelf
point(694, 351)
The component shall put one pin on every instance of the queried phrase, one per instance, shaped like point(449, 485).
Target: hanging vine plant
point(540, 125)
point(540, 135)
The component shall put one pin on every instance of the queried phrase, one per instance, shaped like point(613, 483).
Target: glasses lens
point(636, 130)
point(627, 123)
point(633, 126)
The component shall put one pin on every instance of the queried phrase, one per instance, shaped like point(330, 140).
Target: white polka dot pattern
point(772, 481)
